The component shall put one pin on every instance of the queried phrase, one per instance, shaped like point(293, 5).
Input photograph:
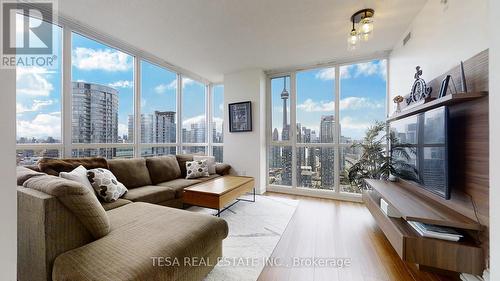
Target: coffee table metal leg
point(219, 211)
point(253, 193)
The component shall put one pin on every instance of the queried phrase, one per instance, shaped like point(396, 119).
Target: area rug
point(254, 231)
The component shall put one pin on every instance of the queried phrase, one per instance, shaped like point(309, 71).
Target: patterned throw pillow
point(105, 184)
point(196, 169)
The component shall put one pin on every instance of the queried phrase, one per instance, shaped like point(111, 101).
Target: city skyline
point(39, 92)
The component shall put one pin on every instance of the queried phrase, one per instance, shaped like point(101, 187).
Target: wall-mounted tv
point(419, 150)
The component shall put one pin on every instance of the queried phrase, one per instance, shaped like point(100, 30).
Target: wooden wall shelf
point(463, 256)
point(446, 100)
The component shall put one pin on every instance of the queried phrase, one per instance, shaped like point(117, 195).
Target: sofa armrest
point(45, 230)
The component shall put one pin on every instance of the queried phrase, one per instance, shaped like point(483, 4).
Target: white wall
point(8, 197)
point(246, 152)
point(494, 148)
point(441, 36)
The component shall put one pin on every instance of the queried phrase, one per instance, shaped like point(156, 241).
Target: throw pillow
point(210, 162)
point(79, 174)
point(196, 169)
point(107, 187)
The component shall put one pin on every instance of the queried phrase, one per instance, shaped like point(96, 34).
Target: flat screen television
point(419, 150)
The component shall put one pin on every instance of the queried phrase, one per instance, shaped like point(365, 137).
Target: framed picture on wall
point(240, 117)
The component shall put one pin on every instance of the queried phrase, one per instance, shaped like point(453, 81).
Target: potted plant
point(377, 161)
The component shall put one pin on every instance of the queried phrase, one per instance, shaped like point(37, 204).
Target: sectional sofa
point(66, 233)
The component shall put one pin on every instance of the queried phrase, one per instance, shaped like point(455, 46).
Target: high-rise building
point(327, 155)
point(164, 131)
point(164, 127)
point(286, 156)
point(275, 151)
point(95, 116)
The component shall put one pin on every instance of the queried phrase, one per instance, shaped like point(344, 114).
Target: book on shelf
point(434, 231)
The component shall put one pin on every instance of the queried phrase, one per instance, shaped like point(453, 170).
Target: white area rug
point(254, 231)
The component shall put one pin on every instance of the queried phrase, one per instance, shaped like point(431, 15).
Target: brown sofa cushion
point(163, 168)
point(53, 166)
point(23, 174)
point(150, 194)
point(140, 231)
point(131, 172)
point(77, 198)
point(178, 185)
point(182, 159)
point(222, 169)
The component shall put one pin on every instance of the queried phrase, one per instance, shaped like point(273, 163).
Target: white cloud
point(311, 106)
point(33, 81)
point(107, 59)
point(194, 120)
point(326, 74)
point(186, 81)
point(350, 123)
point(329, 73)
point(372, 68)
point(221, 107)
point(162, 88)
point(351, 103)
point(121, 84)
point(42, 126)
point(36, 106)
point(356, 70)
point(122, 129)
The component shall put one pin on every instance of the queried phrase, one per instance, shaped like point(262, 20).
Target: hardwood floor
point(334, 229)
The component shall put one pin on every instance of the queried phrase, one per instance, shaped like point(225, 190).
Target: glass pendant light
point(353, 39)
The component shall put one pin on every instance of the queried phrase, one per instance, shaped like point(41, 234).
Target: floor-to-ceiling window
point(39, 107)
point(194, 116)
point(315, 129)
point(280, 150)
point(317, 117)
point(102, 82)
point(362, 102)
point(217, 123)
point(112, 100)
point(158, 121)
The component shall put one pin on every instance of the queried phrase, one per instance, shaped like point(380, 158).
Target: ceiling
point(214, 37)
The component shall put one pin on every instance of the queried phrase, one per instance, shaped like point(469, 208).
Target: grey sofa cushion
point(150, 194)
point(23, 174)
point(178, 185)
point(163, 168)
point(131, 172)
point(77, 198)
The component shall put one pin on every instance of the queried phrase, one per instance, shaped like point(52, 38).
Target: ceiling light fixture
point(364, 20)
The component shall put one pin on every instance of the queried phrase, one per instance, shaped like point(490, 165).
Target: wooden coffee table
point(218, 193)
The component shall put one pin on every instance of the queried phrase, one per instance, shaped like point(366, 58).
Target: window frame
point(336, 193)
point(66, 146)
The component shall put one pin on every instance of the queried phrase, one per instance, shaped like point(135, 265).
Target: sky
point(362, 97)
point(362, 92)
point(39, 89)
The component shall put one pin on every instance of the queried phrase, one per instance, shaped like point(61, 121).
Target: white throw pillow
point(210, 162)
point(196, 169)
point(107, 187)
point(79, 174)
